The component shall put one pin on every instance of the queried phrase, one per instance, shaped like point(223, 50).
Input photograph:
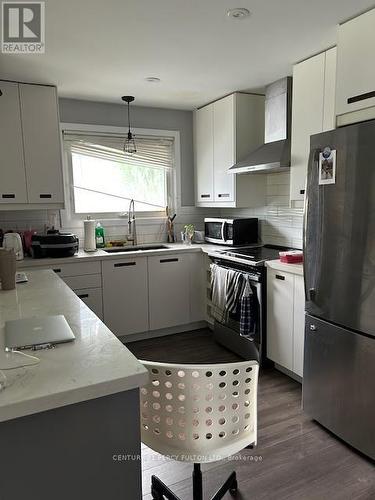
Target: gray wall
point(101, 113)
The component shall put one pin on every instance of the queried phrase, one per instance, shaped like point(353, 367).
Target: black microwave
point(233, 232)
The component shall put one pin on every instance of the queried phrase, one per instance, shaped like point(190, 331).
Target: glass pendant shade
point(129, 145)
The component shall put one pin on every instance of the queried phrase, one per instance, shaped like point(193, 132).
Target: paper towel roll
point(90, 242)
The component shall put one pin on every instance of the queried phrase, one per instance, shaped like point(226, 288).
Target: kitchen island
point(65, 422)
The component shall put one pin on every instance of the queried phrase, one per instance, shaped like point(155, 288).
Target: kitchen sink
point(134, 249)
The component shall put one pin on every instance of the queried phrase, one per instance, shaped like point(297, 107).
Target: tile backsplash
point(279, 224)
point(148, 231)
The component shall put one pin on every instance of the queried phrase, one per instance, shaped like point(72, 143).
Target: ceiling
point(100, 50)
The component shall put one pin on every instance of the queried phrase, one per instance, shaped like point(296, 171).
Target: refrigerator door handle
point(313, 159)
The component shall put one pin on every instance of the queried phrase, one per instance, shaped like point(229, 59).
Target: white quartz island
point(65, 419)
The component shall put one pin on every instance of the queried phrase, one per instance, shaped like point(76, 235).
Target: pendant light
point(129, 144)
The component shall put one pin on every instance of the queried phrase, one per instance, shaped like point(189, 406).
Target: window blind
point(154, 152)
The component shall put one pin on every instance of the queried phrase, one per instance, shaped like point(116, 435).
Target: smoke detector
point(238, 13)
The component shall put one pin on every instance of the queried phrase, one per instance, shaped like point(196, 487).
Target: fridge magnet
point(327, 166)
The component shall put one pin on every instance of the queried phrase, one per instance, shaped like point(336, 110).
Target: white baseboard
point(163, 332)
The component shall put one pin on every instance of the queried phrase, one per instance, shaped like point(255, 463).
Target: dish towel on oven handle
point(234, 287)
point(247, 320)
point(218, 292)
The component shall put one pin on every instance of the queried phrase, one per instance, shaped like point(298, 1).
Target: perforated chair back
point(199, 413)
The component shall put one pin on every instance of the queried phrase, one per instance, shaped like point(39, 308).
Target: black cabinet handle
point(46, 195)
point(57, 270)
point(123, 264)
point(205, 196)
point(83, 296)
point(8, 195)
point(223, 195)
point(280, 277)
point(361, 97)
point(162, 261)
point(301, 191)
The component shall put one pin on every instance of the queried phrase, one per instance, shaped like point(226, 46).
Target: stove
point(255, 255)
point(251, 261)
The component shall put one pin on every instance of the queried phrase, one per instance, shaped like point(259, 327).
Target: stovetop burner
point(255, 255)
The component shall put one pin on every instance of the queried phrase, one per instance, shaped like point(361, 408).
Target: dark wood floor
point(295, 459)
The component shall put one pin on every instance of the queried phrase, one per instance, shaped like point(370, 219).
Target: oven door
point(219, 231)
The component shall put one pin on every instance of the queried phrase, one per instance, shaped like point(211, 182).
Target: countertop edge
point(101, 255)
point(288, 268)
point(71, 397)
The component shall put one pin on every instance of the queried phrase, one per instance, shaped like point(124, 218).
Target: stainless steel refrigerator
point(339, 246)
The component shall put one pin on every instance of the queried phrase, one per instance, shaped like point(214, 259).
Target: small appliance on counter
point(232, 232)
point(13, 241)
point(53, 244)
point(291, 257)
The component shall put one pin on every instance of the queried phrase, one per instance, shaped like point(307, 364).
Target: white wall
point(279, 224)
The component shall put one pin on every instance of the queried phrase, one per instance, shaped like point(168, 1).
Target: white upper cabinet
point(12, 166)
point(204, 154)
point(31, 161)
point(356, 69)
point(40, 123)
point(225, 131)
point(312, 112)
point(224, 148)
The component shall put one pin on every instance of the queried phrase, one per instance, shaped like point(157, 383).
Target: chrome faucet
point(132, 229)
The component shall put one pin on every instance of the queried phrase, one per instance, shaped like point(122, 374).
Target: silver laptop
point(27, 333)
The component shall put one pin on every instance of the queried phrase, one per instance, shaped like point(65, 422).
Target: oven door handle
point(223, 232)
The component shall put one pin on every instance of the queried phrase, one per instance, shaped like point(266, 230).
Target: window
point(104, 178)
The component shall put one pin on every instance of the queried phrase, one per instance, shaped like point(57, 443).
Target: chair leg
point(197, 483)
point(159, 490)
point(229, 485)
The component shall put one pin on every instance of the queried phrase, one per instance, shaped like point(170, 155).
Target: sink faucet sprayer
point(132, 229)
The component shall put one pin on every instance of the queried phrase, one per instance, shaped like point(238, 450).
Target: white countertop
point(100, 254)
point(96, 364)
point(287, 268)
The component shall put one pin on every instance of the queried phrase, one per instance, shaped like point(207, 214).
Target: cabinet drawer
point(85, 281)
point(76, 269)
point(93, 299)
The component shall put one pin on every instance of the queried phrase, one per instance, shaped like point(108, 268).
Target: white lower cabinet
point(169, 290)
point(285, 319)
point(93, 298)
point(125, 295)
point(298, 325)
point(280, 317)
point(197, 283)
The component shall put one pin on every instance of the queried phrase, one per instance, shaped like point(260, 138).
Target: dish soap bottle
point(99, 236)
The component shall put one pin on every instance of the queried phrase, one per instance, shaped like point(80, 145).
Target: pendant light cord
point(129, 117)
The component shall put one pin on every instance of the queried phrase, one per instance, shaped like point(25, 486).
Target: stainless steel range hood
point(274, 155)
